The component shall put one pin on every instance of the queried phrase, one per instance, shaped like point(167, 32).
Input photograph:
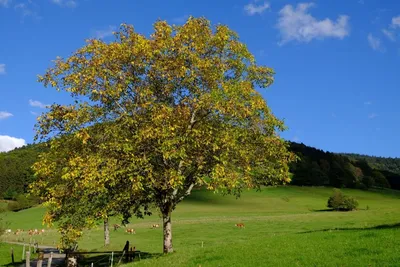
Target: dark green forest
point(319, 168)
point(15, 170)
point(313, 168)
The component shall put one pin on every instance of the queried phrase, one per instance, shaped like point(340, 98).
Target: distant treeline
point(314, 168)
point(15, 170)
point(319, 168)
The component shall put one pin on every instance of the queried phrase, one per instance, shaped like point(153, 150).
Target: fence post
point(40, 259)
point(50, 260)
point(126, 249)
point(112, 258)
point(28, 259)
point(23, 252)
point(12, 255)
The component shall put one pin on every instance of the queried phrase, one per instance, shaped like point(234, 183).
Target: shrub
point(22, 202)
point(338, 201)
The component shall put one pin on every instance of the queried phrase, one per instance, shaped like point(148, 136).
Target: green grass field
point(284, 226)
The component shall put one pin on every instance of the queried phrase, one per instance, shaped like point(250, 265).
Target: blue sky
point(337, 63)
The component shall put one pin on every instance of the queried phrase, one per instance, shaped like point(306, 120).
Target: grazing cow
point(155, 226)
point(131, 231)
point(240, 225)
point(116, 226)
point(18, 232)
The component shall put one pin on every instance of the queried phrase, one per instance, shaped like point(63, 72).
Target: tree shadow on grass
point(377, 227)
point(104, 259)
point(323, 210)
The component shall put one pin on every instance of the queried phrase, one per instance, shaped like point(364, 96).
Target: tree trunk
point(167, 227)
point(106, 233)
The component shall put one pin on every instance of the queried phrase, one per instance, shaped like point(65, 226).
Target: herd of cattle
point(116, 227)
point(30, 231)
point(131, 230)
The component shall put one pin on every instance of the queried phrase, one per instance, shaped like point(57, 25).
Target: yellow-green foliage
point(154, 117)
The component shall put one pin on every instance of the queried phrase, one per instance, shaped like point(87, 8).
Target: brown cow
point(131, 231)
point(240, 225)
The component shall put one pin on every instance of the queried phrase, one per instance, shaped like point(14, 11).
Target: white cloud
point(396, 22)
point(34, 113)
point(372, 116)
point(295, 24)
point(252, 9)
point(5, 3)
point(375, 43)
point(65, 3)
point(2, 69)
point(101, 34)
point(361, 2)
point(38, 104)
point(27, 10)
point(181, 19)
point(389, 35)
point(334, 115)
point(5, 115)
point(367, 103)
point(8, 143)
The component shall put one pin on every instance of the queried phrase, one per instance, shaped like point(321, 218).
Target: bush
point(22, 202)
point(338, 201)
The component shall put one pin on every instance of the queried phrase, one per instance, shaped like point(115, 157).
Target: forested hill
point(15, 169)
point(314, 167)
point(381, 163)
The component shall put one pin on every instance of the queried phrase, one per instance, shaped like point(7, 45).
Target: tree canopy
point(177, 109)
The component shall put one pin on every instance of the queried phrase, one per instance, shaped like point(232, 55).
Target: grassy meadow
point(284, 226)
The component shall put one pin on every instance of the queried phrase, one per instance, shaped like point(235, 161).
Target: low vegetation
point(340, 202)
point(278, 222)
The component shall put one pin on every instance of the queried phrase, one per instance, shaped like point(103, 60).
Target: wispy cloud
point(5, 115)
point(8, 143)
point(27, 10)
point(333, 115)
point(38, 104)
point(361, 2)
point(372, 116)
point(297, 24)
point(367, 103)
point(252, 8)
point(396, 22)
point(375, 43)
point(65, 3)
point(5, 3)
point(34, 113)
point(389, 34)
point(180, 19)
point(104, 33)
point(295, 139)
point(2, 69)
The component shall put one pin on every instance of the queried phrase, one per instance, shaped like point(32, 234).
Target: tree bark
point(106, 233)
point(167, 229)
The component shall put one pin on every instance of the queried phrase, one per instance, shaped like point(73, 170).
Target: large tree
point(180, 109)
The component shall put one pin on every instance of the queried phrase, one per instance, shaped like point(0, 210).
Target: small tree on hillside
point(338, 201)
point(180, 109)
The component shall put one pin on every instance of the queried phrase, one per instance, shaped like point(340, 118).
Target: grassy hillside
point(285, 226)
